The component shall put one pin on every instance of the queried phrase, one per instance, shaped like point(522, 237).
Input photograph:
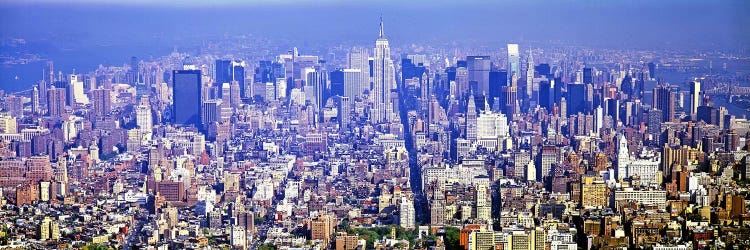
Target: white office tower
point(623, 158)
point(513, 64)
point(226, 96)
point(492, 129)
point(471, 120)
point(281, 89)
point(143, 118)
point(35, 100)
point(645, 166)
point(353, 79)
point(77, 93)
point(695, 97)
point(598, 119)
point(406, 219)
point(383, 80)
point(359, 59)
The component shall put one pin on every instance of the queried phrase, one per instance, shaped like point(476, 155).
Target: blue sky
point(613, 23)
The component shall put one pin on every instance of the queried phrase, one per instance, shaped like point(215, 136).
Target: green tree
point(95, 246)
point(267, 246)
point(452, 238)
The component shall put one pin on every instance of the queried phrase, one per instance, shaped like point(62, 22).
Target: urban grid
point(380, 146)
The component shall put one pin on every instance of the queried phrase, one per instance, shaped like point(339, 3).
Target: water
point(19, 77)
point(28, 74)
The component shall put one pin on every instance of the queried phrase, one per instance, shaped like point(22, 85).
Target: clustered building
point(463, 150)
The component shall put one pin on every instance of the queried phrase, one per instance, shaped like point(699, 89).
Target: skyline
point(678, 24)
point(438, 126)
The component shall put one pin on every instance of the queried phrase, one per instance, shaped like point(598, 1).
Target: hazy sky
point(686, 23)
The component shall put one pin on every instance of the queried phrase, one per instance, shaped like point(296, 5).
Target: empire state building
point(383, 80)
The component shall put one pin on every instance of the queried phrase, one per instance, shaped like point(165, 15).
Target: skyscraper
point(411, 69)
point(664, 100)
point(546, 94)
point(514, 69)
point(56, 100)
point(576, 98)
point(358, 59)
point(652, 70)
point(35, 100)
point(695, 97)
point(14, 105)
point(654, 125)
point(471, 120)
point(101, 102)
point(186, 107)
point(344, 106)
point(544, 70)
point(498, 79)
point(43, 86)
point(383, 79)
point(223, 72)
point(314, 88)
point(235, 94)
point(76, 91)
point(588, 76)
point(212, 111)
point(510, 96)
point(530, 88)
point(238, 75)
point(338, 86)
point(479, 73)
point(143, 118)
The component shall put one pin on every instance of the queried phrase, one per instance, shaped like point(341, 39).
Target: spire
point(486, 104)
point(382, 33)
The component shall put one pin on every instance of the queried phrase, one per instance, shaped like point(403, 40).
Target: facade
point(56, 101)
point(406, 215)
point(384, 80)
point(186, 106)
point(695, 97)
point(664, 100)
point(653, 197)
point(479, 74)
point(514, 64)
point(101, 101)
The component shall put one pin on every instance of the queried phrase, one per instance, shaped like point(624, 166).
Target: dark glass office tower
point(627, 85)
point(263, 72)
point(479, 72)
point(654, 125)
point(544, 70)
point(546, 93)
point(186, 109)
point(652, 70)
point(558, 91)
point(576, 99)
point(337, 83)
point(223, 72)
point(410, 70)
point(612, 109)
point(238, 74)
point(588, 76)
point(498, 79)
point(664, 100)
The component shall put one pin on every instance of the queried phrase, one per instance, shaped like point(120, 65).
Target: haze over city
point(347, 125)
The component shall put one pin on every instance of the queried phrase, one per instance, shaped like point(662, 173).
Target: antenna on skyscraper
point(382, 33)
